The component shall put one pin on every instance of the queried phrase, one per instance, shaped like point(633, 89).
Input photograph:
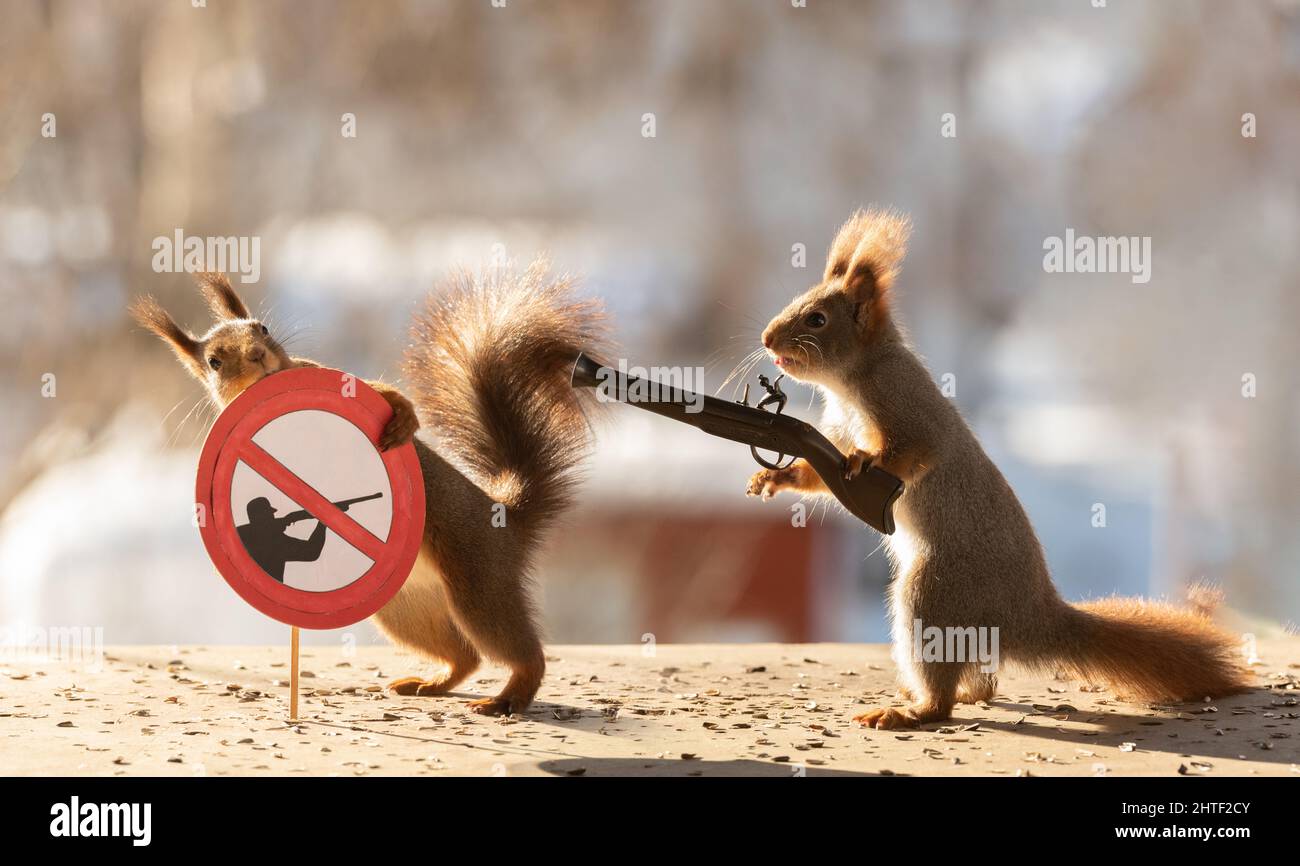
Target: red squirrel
point(488, 361)
point(964, 553)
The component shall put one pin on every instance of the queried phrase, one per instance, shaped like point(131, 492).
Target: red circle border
point(293, 390)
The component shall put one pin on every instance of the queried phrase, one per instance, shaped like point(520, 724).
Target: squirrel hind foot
point(498, 706)
point(886, 719)
point(417, 687)
point(453, 675)
point(516, 697)
point(406, 686)
point(890, 718)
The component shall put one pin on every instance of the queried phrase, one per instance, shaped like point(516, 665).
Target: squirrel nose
point(256, 354)
point(767, 339)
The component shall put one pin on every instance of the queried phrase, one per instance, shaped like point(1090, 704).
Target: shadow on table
point(649, 767)
point(1236, 728)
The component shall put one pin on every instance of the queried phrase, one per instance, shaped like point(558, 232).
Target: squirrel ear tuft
point(221, 296)
point(867, 253)
point(149, 313)
point(871, 243)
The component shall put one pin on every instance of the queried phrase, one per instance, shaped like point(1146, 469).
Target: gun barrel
point(869, 496)
point(721, 418)
point(345, 502)
point(303, 514)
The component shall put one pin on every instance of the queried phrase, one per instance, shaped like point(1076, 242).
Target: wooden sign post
point(293, 673)
point(301, 513)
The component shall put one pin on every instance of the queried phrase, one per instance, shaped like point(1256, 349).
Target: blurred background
point(484, 133)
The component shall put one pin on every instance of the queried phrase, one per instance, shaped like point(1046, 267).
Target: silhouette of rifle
point(294, 516)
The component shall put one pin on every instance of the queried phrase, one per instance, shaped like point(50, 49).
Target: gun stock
point(869, 496)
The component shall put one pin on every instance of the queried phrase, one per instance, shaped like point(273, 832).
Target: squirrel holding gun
point(964, 553)
point(489, 360)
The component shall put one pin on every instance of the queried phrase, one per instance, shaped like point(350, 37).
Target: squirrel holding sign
point(489, 363)
point(964, 553)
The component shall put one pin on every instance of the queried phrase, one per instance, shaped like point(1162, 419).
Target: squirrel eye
point(265, 329)
point(816, 320)
point(214, 363)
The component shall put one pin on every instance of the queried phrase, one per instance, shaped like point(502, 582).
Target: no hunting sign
point(300, 511)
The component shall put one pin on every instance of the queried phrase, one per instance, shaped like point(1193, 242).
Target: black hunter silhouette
point(265, 540)
point(774, 393)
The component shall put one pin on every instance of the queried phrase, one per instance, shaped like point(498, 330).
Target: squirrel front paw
point(855, 462)
point(402, 426)
point(769, 482)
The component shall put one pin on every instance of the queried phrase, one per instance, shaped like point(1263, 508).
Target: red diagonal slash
point(261, 462)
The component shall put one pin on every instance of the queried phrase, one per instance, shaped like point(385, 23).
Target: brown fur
point(489, 360)
point(489, 365)
point(237, 350)
point(1150, 650)
point(964, 553)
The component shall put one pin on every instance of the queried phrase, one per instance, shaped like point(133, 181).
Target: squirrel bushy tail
point(489, 364)
point(1148, 650)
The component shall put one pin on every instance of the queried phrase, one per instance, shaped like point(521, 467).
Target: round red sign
point(300, 511)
